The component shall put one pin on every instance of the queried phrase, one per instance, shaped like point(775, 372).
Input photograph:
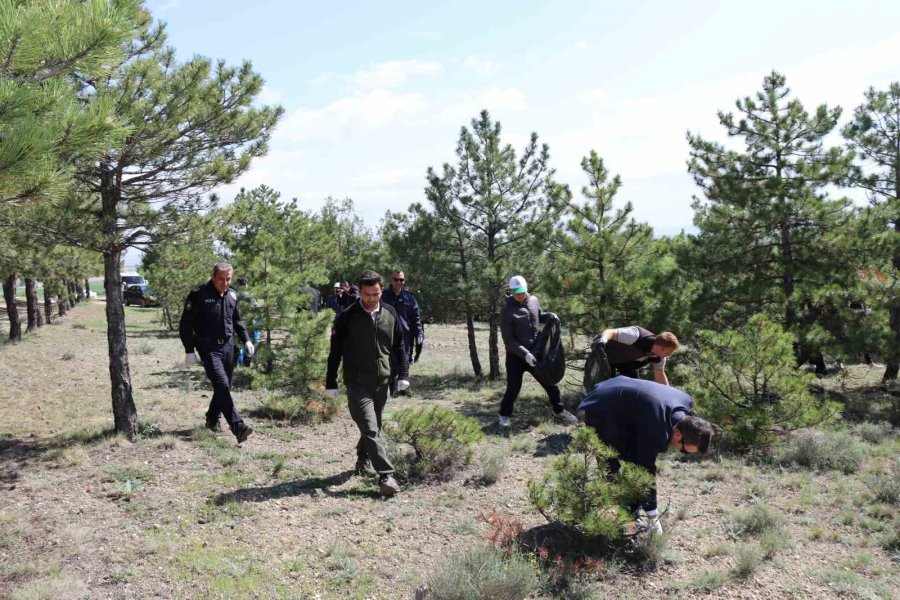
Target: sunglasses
point(396, 280)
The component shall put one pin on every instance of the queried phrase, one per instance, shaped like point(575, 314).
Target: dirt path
point(185, 514)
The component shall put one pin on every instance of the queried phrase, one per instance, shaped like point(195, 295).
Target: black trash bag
point(596, 366)
point(548, 350)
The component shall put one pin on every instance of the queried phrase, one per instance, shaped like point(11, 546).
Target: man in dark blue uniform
point(404, 303)
point(209, 322)
point(639, 419)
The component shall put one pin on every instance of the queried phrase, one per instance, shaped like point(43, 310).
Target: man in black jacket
point(639, 419)
point(404, 302)
point(631, 348)
point(368, 339)
point(519, 325)
point(209, 321)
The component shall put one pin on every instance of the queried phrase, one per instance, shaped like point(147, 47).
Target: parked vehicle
point(139, 295)
point(129, 279)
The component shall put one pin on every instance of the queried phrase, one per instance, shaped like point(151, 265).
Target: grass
point(483, 573)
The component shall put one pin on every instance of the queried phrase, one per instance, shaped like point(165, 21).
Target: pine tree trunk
point(12, 311)
point(33, 309)
point(893, 357)
point(493, 343)
point(62, 302)
point(87, 289)
point(473, 349)
point(48, 304)
point(79, 291)
point(124, 410)
point(71, 295)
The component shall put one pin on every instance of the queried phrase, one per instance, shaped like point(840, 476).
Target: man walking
point(631, 348)
point(209, 322)
point(519, 325)
point(367, 338)
point(407, 309)
point(639, 419)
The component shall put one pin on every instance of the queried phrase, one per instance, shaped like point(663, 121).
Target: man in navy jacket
point(640, 419)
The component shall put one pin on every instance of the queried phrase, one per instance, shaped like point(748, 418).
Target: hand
point(530, 359)
point(333, 394)
point(551, 315)
point(418, 351)
point(248, 345)
point(402, 385)
point(190, 359)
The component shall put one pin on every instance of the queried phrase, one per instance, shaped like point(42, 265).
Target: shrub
point(144, 348)
point(746, 381)
point(297, 360)
point(483, 573)
point(441, 439)
point(884, 483)
point(493, 463)
point(580, 491)
point(754, 521)
point(316, 407)
point(746, 558)
point(821, 450)
point(874, 433)
point(68, 355)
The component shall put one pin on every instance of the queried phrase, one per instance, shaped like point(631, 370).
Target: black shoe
point(388, 486)
point(243, 433)
point(214, 425)
point(364, 467)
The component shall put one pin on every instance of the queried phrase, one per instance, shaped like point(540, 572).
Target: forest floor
point(184, 513)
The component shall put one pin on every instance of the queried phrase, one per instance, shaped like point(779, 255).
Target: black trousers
point(515, 370)
point(623, 442)
point(218, 361)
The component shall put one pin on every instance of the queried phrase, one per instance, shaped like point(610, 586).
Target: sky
point(376, 92)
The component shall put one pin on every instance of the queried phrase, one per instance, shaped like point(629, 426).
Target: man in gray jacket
point(520, 322)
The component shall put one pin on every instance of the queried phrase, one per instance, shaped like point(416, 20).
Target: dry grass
point(188, 514)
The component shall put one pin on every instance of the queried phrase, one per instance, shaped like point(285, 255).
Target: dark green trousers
point(366, 405)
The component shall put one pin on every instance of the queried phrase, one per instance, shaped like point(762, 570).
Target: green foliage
point(770, 238)
point(48, 45)
point(579, 490)
point(745, 380)
point(441, 439)
point(493, 463)
point(483, 573)
point(308, 408)
point(298, 359)
point(822, 450)
point(754, 521)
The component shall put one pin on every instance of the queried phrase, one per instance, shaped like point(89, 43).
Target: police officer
point(407, 309)
point(208, 323)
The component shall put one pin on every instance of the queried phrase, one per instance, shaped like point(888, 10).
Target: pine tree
point(874, 133)
point(770, 238)
point(46, 45)
point(500, 208)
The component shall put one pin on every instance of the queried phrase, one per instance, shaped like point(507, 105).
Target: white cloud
point(591, 96)
point(483, 67)
point(463, 108)
point(395, 73)
point(427, 35)
point(269, 96)
point(364, 111)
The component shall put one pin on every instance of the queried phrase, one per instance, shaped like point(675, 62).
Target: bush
point(821, 450)
point(579, 490)
point(746, 381)
point(298, 359)
point(493, 464)
point(441, 439)
point(144, 348)
point(747, 558)
point(483, 573)
point(754, 521)
point(874, 433)
point(315, 408)
point(884, 483)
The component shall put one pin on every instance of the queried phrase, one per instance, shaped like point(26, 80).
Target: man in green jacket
point(367, 337)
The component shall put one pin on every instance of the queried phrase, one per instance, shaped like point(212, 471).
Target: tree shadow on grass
point(553, 444)
point(431, 384)
point(312, 487)
point(16, 453)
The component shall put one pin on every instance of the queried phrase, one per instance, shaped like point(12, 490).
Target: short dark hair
point(696, 432)
point(370, 278)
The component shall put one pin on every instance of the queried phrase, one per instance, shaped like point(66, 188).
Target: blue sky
point(375, 93)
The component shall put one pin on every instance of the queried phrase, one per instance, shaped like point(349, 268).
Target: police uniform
point(209, 323)
point(410, 320)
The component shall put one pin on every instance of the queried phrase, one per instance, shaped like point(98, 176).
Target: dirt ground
point(187, 514)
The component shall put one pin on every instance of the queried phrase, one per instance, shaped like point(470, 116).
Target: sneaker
point(214, 425)
point(388, 486)
point(243, 433)
point(504, 422)
point(566, 417)
point(364, 467)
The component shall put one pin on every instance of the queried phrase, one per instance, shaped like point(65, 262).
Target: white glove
point(530, 359)
point(402, 385)
point(190, 359)
point(333, 394)
point(248, 345)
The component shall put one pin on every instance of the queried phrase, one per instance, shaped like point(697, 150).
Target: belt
point(219, 341)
